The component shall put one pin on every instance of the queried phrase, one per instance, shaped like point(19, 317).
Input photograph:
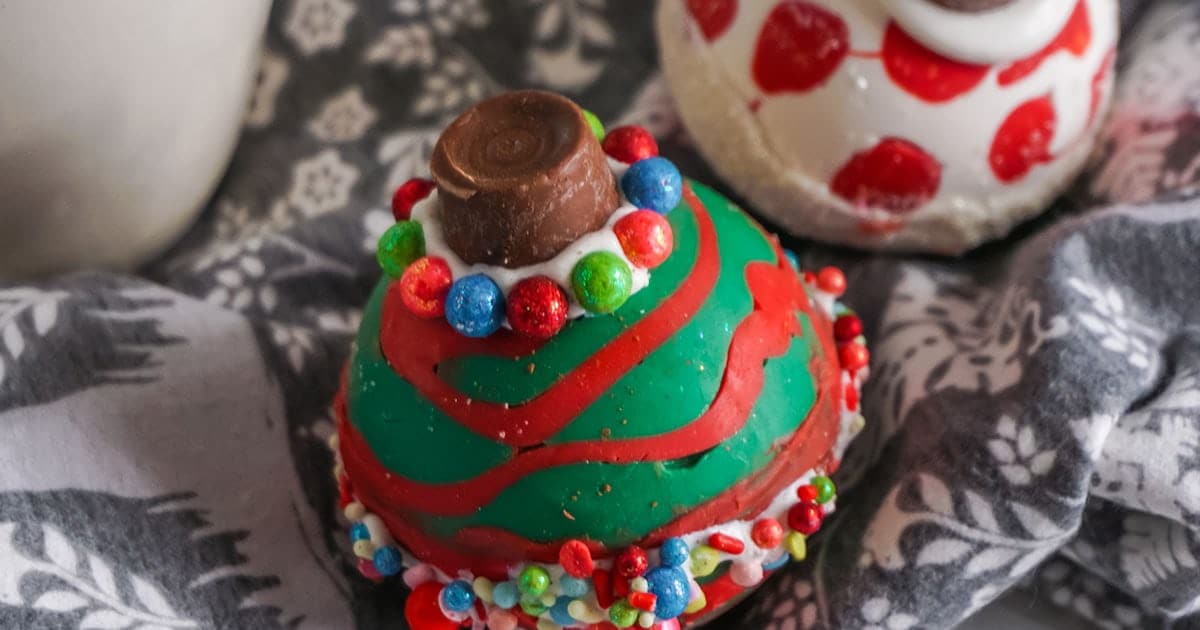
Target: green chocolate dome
point(693, 404)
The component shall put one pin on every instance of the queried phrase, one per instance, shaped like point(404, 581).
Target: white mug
point(117, 118)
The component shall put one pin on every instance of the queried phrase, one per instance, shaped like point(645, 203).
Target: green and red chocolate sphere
point(588, 393)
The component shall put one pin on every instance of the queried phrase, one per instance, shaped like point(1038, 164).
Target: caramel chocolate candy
point(520, 176)
point(972, 6)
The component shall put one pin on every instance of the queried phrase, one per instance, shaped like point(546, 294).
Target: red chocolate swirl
point(520, 176)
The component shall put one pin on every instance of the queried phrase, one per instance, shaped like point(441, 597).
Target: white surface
point(116, 121)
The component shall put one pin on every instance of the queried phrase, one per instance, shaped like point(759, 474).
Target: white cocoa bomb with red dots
point(916, 125)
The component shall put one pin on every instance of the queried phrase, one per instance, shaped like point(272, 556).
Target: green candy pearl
point(399, 246)
point(532, 606)
point(825, 488)
point(594, 123)
point(601, 282)
point(622, 614)
point(534, 581)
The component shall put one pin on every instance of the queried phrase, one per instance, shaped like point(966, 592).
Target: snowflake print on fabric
point(446, 16)
point(240, 285)
point(1114, 329)
point(375, 223)
point(943, 332)
point(295, 341)
point(24, 312)
point(1087, 596)
point(453, 86)
point(562, 30)
point(343, 118)
point(272, 73)
point(406, 155)
point(1016, 450)
point(88, 584)
point(877, 614)
point(322, 183)
point(1155, 550)
point(978, 541)
point(403, 47)
point(317, 25)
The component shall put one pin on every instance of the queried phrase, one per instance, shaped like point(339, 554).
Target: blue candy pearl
point(670, 586)
point(653, 183)
point(573, 586)
point(792, 258)
point(559, 614)
point(674, 552)
point(506, 595)
point(458, 596)
point(359, 531)
point(475, 306)
point(776, 563)
point(387, 561)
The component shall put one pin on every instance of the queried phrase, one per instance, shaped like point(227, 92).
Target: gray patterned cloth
point(1034, 408)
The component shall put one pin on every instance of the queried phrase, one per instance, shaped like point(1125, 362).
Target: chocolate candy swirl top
point(520, 176)
point(973, 6)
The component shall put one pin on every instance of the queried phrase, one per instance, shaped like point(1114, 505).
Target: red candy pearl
point(806, 518)
point(807, 492)
point(831, 280)
point(853, 356)
point(576, 559)
point(409, 193)
point(537, 307)
point(631, 563)
point(424, 286)
point(422, 610)
point(629, 144)
point(767, 533)
point(847, 327)
point(645, 237)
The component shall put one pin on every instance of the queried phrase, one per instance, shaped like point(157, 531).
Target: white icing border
point(1002, 35)
point(557, 269)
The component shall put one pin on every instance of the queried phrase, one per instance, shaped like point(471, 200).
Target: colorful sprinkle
point(653, 183)
point(424, 285)
point(501, 620)
point(367, 569)
point(771, 565)
point(854, 356)
point(642, 600)
point(670, 586)
point(408, 194)
point(417, 575)
point(458, 596)
point(831, 280)
point(746, 574)
point(622, 614)
point(631, 562)
point(533, 606)
point(673, 552)
point(639, 584)
point(699, 601)
point(629, 143)
point(646, 619)
point(537, 307)
point(645, 237)
point(767, 533)
point(792, 258)
point(807, 492)
point(594, 124)
point(847, 328)
point(726, 543)
point(585, 612)
point(364, 549)
point(534, 580)
point(359, 531)
point(475, 306)
point(704, 560)
point(560, 612)
point(573, 586)
point(602, 582)
point(506, 594)
point(422, 610)
point(825, 489)
point(483, 588)
point(399, 246)
point(806, 518)
point(797, 545)
point(387, 561)
point(601, 282)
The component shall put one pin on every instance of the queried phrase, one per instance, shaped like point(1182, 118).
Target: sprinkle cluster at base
point(537, 306)
point(638, 587)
